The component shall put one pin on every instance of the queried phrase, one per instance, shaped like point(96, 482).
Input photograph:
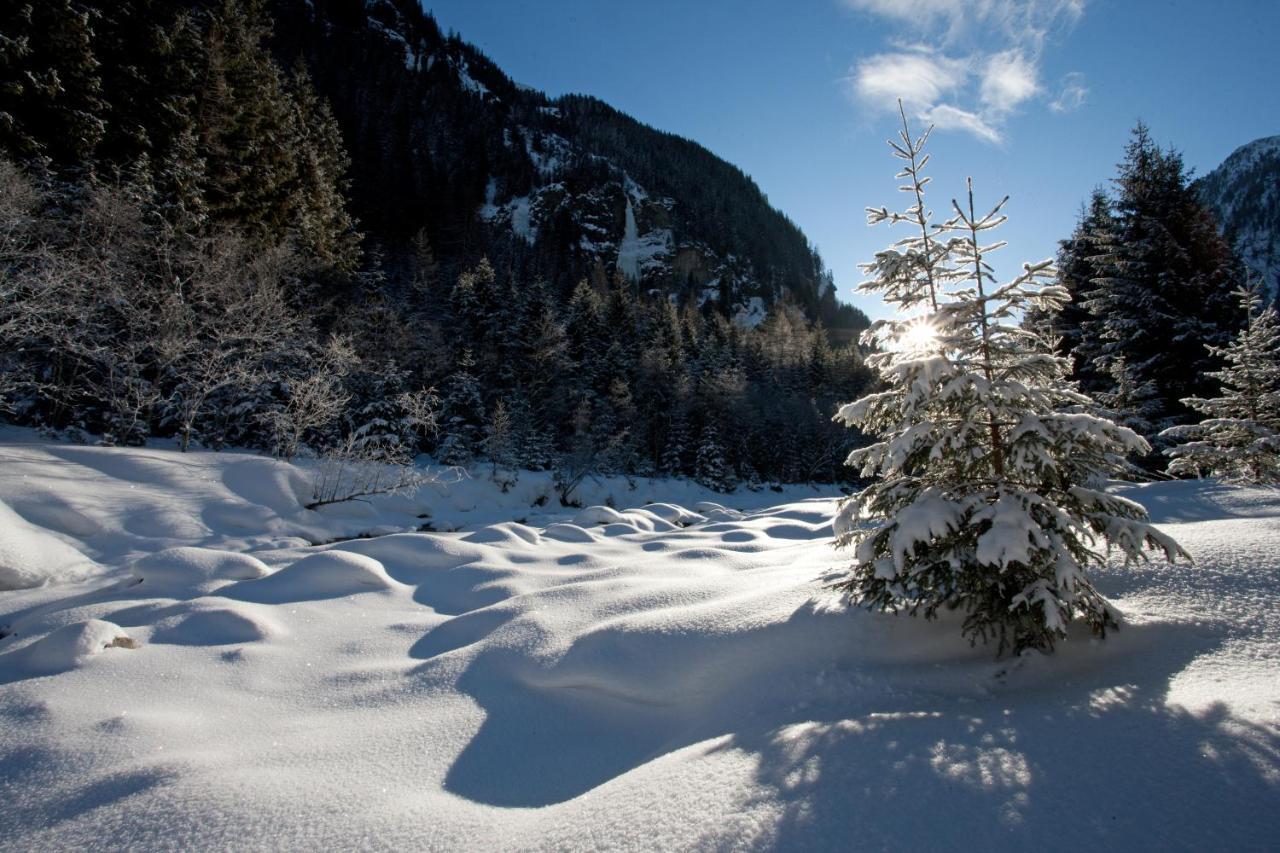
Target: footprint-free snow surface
point(192, 673)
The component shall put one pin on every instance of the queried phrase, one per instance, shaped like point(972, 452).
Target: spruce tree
point(1162, 281)
point(1081, 261)
point(461, 416)
point(51, 97)
point(712, 469)
point(500, 445)
point(1239, 440)
point(984, 463)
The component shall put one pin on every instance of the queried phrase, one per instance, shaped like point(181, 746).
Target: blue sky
point(1033, 99)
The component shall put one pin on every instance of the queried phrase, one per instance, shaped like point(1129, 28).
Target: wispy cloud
point(974, 64)
point(1071, 95)
point(919, 77)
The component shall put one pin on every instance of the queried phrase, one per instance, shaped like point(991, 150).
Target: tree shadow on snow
point(1097, 757)
point(1079, 745)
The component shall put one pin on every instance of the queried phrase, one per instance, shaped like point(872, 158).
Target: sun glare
point(920, 337)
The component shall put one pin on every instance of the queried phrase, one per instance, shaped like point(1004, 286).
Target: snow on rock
point(752, 314)
point(71, 646)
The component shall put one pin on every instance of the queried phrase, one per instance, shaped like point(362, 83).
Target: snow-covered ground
point(194, 673)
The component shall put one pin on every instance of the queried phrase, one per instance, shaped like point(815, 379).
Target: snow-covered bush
point(1240, 438)
point(985, 462)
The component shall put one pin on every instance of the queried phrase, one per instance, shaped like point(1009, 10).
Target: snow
point(555, 152)
point(752, 314)
point(468, 82)
point(516, 211)
point(634, 674)
point(628, 256)
point(638, 253)
point(1242, 192)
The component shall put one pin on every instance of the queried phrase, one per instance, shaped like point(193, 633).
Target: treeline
point(615, 382)
point(116, 327)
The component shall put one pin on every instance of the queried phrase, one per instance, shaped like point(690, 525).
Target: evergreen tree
point(500, 445)
point(461, 415)
point(326, 232)
point(1081, 261)
point(1160, 298)
point(247, 123)
point(51, 98)
point(1239, 440)
point(981, 503)
point(712, 470)
point(1128, 401)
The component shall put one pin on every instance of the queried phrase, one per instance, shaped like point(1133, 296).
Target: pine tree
point(712, 470)
point(500, 445)
point(1161, 288)
point(326, 232)
point(1081, 261)
point(1239, 440)
point(461, 415)
point(51, 100)
point(981, 503)
point(247, 124)
point(1129, 401)
point(675, 452)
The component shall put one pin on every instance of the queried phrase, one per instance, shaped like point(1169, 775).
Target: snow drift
point(639, 678)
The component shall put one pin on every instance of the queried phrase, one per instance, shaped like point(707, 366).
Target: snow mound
point(415, 553)
point(328, 574)
point(717, 512)
point(596, 515)
point(71, 646)
point(507, 533)
point(649, 521)
point(215, 626)
point(31, 556)
point(673, 514)
point(562, 532)
point(189, 567)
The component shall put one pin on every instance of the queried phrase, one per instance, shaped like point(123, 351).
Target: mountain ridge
point(1244, 193)
point(445, 143)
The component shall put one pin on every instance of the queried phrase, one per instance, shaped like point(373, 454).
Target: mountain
point(1244, 193)
point(446, 145)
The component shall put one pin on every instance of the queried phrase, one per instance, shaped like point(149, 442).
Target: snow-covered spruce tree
point(1239, 441)
point(983, 501)
point(462, 416)
point(712, 469)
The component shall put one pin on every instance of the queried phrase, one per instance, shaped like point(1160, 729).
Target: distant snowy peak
point(1244, 193)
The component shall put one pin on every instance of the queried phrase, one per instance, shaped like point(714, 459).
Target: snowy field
point(193, 672)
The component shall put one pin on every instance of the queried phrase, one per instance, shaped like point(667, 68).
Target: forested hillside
point(307, 226)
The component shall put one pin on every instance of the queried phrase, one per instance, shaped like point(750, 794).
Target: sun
point(919, 337)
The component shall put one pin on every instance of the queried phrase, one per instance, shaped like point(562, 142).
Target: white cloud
point(1072, 94)
point(947, 117)
point(1024, 21)
point(978, 65)
point(1008, 79)
point(917, 77)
